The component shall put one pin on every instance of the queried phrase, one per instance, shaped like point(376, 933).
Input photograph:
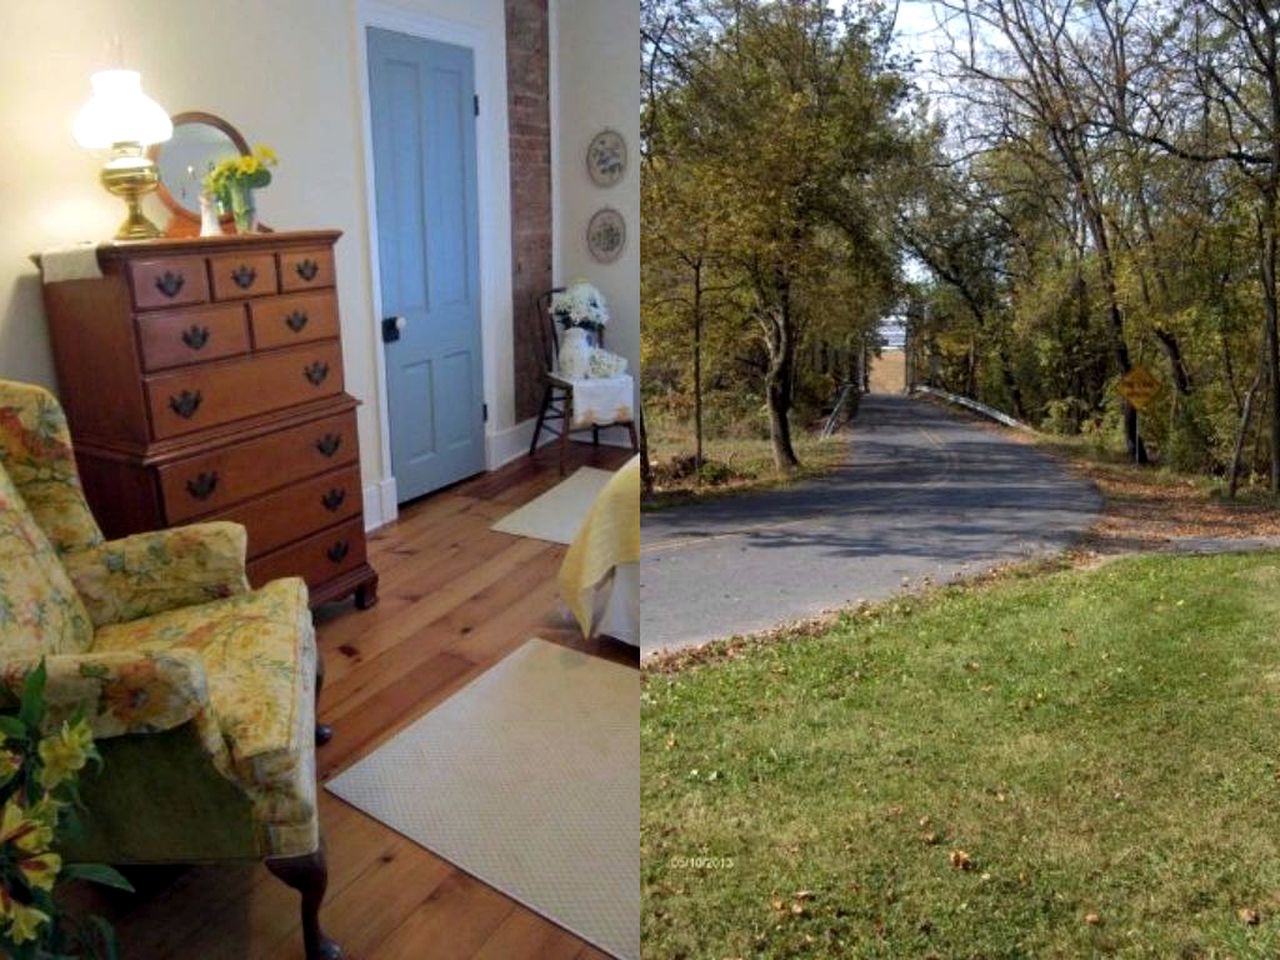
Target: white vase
point(575, 353)
point(210, 226)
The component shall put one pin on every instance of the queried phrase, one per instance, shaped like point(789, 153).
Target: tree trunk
point(697, 371)
point(779, 379)
point(1245, 415)
point(646, 468)
point(1267, 226)
point(784, 456)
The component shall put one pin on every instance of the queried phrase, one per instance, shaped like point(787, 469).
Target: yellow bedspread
point(609, 537)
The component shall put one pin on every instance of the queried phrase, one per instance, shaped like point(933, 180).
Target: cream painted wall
point(282, 72)
point(597, 68)
point(290, 73)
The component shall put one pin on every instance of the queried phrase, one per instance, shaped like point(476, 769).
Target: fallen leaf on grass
point(930, 839)
point(960, 860)
point(1092, 919)
point(1249, 916)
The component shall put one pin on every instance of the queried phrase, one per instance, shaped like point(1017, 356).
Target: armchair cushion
point(40, 611)
point(35, 448)
point(259, 656)
point(150, 573)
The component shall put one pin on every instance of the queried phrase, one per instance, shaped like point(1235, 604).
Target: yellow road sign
point(1139, 387)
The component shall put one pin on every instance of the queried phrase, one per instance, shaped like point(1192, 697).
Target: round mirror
point(199, 141)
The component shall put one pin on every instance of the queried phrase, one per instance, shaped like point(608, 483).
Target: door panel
point(424, 151)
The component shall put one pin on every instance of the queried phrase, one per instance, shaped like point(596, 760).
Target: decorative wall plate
point(606, 235)
point(607, 158)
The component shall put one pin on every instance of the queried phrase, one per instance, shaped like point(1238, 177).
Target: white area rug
point(529, 779)
point(558, 514)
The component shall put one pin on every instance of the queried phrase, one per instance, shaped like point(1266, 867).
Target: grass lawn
point(734, 464)
point(1077, 764)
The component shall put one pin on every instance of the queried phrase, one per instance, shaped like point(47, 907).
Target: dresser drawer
point(171, 339)
point(168, 282)
point(304, 269)
point(241, 471)
point(317, 559)
point(194, 398)
point(239, 275)
point(282, 321)
point(286, 515)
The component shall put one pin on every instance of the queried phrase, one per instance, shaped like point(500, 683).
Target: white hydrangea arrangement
point(580, 305)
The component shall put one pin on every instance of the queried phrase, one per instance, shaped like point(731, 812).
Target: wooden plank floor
point(455, 597)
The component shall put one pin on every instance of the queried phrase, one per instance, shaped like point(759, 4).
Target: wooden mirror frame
point(184, 222)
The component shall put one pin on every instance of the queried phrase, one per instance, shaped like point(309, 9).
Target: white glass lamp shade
point(120, 112)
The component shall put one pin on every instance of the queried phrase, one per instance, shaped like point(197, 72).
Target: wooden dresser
point(203, 381)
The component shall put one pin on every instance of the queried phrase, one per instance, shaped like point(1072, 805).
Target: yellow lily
point(65, 753)
point(21, 830)
point(25, 922)
point(40, 870)
point(265, 154)
point(10, 764)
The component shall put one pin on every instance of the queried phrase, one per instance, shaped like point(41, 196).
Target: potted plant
point(581, 312)
point(233, 180)
point(39, 781)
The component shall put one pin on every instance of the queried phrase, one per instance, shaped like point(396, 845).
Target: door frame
point(493, 207)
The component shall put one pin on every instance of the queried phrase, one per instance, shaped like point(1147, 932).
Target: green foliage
point(773, 140)
point(39, 796)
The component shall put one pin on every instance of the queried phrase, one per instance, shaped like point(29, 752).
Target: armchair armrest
point(126, 691)
point(149, 573)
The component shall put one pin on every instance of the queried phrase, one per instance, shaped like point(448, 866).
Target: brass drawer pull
point(307, 269)
point(338, 552)
point(296, 320)
point(244, 276)
point(203, 485)
point(169, 283)
point(334, 499)
point(328, 444)
point(195, 337)
point(317, 372)
point(186, 403)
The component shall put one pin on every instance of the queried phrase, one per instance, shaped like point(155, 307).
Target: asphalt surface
point(926, 494)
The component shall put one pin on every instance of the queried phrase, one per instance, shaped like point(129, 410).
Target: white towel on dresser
point(602, 400)
point(70, 263)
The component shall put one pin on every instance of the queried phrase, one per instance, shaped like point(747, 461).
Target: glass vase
point(242, 209)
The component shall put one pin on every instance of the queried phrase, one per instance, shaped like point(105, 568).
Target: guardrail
point(996, 415)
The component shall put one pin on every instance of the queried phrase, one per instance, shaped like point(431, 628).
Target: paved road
point(926, 494)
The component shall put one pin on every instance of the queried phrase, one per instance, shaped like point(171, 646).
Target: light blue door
point(423, 108)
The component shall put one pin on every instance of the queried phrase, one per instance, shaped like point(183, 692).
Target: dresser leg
point(367, 594)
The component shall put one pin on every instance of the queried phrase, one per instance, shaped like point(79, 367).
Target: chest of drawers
point(203, 381)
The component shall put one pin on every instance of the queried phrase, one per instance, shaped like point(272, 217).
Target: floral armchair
point(201, 692)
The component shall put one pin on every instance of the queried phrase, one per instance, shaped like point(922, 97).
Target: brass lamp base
point(129, 174)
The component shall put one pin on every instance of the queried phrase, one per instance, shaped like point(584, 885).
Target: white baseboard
point(380, 504)
point(503, 446)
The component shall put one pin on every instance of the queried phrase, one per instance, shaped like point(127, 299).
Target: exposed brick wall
point(528, 106)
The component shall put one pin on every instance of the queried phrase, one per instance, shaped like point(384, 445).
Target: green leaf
point(110, 947)
point(31, 713)
point(97, 873)
point(12, 727)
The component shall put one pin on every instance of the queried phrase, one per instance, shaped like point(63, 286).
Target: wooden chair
point(557, 393)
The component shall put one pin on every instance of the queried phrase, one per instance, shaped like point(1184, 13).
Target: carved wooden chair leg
point(324, 732)
point(309, 875)
point(635, 442)
point(542, 418)
point(564, 430)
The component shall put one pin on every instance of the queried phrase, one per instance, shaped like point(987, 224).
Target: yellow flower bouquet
point(233, 180)
point(39, 779)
